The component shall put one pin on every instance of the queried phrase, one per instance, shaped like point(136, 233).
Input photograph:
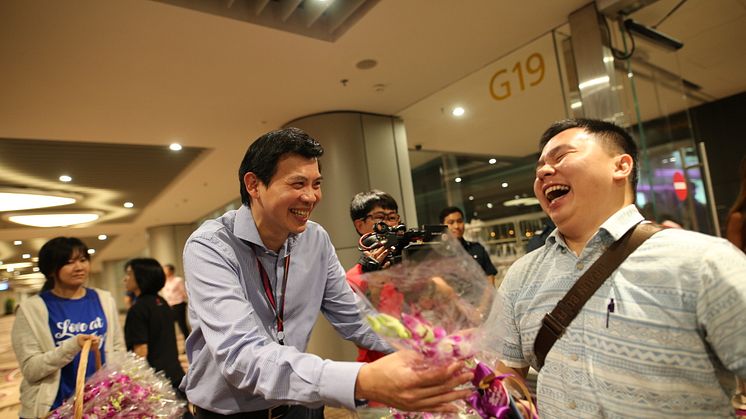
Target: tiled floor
point(10, 375)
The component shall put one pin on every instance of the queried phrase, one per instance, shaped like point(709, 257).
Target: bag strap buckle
point(553, 325)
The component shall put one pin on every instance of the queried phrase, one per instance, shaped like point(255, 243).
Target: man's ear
point(623, 167)
point(251, 183)
point(359, 225)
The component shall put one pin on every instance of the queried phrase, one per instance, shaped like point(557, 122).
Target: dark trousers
point(284, 412)
point(179, 311)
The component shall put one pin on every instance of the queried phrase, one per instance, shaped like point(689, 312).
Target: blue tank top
point(68, 318)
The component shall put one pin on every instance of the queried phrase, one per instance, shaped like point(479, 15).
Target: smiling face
point(74, 273)
point(455, 223)
point(284, 206)
point(580, 182)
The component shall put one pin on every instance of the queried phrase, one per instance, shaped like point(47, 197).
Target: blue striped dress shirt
point(236, 364)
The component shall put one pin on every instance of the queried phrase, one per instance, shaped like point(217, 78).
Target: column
point(166, 244)
point(594, 63)
point(361, 151)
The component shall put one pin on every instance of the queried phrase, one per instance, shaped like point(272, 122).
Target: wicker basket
point(80, 378)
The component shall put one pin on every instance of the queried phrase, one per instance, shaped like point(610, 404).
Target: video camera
point(399, 241)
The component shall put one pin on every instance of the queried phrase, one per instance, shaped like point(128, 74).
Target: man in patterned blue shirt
point(656, 336)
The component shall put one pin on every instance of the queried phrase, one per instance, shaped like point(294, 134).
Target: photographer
point(366, 210)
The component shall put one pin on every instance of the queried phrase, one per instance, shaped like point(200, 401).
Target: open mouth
point(556, 191)
point(301, 213)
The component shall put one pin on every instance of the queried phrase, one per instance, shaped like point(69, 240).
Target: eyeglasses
point(391, 217)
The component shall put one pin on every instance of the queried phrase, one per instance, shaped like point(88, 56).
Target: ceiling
point(100, 89)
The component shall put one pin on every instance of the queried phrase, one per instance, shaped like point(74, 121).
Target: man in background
point(453, 217)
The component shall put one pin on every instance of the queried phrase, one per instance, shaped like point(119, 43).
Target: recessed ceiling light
point(458, 111)
point(91, 251)
point(493, 161)
point(489, 205)
point(471, 197)
point(504, 184)
point(65, 178)
point(53, 220)
point(35, 269)
point(26, 256)
point(17, 242)
point(576, 105)
point(14, 201)
point(102, 237)
point(128, 204)
point(175, 146)
point(457, 180)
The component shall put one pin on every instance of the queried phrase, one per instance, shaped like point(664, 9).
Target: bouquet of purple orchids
point(435, 304)
point(126, 387)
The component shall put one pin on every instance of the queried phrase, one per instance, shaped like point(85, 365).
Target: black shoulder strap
point(554, 324)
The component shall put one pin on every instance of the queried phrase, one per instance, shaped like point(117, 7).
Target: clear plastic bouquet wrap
point(126, 387)
point(434, 303)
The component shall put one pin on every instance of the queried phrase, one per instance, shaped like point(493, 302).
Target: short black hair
point(263, 155)
point(445, 212)
point(148, 274)
point(363, 202)
point(55, 254)
point(611, 134)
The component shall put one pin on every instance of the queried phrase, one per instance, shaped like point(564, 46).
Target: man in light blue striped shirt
point(656, 336)
point(257, 279)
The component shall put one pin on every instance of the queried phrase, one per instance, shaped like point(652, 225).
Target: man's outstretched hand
point(403, 381)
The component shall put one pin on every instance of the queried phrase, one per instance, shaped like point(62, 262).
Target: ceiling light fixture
point(521, 202)
point(458, 111)
point(128, 204)
point(457, 180)
point(17, 242)
point(102, 237)
point(91, 251)
point(493, 161)
point(15, 201)
point(175, 147)
point(489, 205)
point(65, 178)
point(594, 82)
point(504, 184)
point(53, 220)
point(26, 256)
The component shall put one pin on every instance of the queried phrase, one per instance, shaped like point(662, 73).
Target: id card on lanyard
point(278, 309)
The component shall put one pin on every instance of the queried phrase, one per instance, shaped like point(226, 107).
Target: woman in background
point(50, 328)
point(735, 230)
point(149, 328)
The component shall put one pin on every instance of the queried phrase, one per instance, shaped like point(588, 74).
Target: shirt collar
point(611, 230)
point(245, 229)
